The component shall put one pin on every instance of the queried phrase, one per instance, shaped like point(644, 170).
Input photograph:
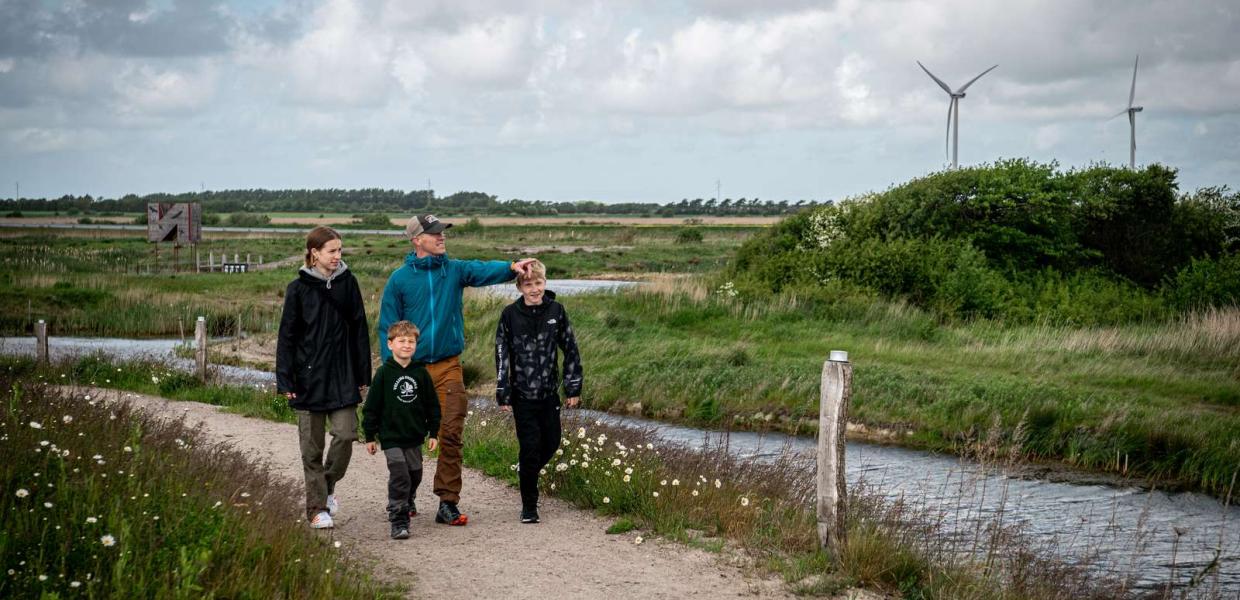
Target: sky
point(636, 101)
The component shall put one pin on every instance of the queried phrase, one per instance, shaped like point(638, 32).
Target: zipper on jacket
point(430, 284)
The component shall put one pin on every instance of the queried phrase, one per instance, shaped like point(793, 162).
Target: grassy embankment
point(103, 501)
point(707, 500)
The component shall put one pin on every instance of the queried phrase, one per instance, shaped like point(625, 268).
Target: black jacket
point(323, 349)
point(525, 353)
point(402, 408)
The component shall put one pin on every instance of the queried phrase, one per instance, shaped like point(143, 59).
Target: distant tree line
point(379, 200)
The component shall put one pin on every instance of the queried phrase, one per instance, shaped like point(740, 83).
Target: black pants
point(404, 475)
point(538, 433)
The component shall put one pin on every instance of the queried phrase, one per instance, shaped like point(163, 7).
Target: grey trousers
point(404, 475)
point(322, 475)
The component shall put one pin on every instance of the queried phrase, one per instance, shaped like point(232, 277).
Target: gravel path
point(568, 555)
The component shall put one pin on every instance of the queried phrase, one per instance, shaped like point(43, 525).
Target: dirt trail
point(566, 556)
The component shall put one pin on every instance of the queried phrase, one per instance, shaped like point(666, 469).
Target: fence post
point(40, 342)
point(200, 353)
point(832, 417)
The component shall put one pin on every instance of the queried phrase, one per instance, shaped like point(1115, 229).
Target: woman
point(322, 365)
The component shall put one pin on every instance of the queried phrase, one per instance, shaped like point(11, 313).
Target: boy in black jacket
point(530, 330)
point(401, 409)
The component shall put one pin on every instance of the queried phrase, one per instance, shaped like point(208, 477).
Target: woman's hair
point(533, 272)
point(316, 239)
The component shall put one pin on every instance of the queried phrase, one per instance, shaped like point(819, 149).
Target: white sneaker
point(333, 506)
point(322, 521)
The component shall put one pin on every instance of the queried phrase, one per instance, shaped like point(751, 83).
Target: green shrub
point(689, 236)
point(379, 220)
point(1207, 282)
point(473, 225)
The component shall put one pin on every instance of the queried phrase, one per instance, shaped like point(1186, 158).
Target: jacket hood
point(548, 299)
point(426, 263)
point(391, 362)
point(313, 274)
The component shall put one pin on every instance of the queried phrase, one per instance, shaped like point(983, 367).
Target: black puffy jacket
point(323, 349)
point(526, 340)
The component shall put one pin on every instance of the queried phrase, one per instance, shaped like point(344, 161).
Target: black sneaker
point(400, 532)
point(448, 514)
point(529, 516)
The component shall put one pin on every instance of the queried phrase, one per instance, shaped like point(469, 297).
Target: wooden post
point(200, 341)
point(832, 417)
point(40, 342)
point(211, 261)
point(247, 258)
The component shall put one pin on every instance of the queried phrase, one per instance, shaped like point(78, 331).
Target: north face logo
point(551, 321)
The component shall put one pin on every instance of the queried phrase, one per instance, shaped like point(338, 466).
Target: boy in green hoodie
point(401, 410)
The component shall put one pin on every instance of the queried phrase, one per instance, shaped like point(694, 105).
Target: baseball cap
point(424, 224)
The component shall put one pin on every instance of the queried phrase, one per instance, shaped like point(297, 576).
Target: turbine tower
point(1132, 117)
point(953, 110)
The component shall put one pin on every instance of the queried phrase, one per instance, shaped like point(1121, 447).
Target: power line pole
point(718, 191)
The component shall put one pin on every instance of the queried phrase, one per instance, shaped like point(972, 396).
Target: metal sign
point(179, 223)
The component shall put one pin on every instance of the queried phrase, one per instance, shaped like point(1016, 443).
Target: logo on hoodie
point(406, 389)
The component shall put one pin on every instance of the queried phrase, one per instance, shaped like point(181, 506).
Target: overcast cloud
point(614, 101)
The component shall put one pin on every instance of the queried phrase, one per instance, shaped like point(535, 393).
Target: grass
point(101, 500)
point(1158, 402)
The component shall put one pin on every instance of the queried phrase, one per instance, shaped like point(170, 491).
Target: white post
point(40, 342)
point(211, 261)
point(200, 341)
point(832, 417)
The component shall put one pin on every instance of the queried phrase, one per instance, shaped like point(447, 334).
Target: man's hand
point(371, 448)
point(520, 266)
point(431, 444)
point(574, 401)
point(506, 408)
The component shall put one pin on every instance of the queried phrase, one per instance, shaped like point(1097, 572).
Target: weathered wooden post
point(832, 417)
point(200, 350)
point(40, 342)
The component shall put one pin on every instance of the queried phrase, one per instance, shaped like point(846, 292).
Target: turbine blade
point(936, 79)
point(948, 138)
point(1132, 93)
point(1118, 114)
point(966, 86)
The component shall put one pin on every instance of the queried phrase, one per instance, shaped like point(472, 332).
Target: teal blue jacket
point(427, 292)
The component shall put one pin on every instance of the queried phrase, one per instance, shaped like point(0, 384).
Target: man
point(426, 291)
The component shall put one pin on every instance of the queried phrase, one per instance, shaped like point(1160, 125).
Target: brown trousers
point(322, 475)
point(450, 386)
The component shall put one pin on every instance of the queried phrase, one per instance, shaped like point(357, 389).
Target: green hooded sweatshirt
point(401, 409)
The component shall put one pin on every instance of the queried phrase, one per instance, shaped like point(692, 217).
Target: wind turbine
point(1132, 117)
point(953, 109)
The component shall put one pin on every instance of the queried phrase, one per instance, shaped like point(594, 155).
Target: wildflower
point(573, 462)
point(615, 462)
point(718, 484)
point(639, 539)
point(553, 486)
point(695, 493)
point(48, 505)
point(513, 467)
point(656, 494)
point(581, 432)
point(96, 457)
point(560, 468)
point(154, 380)
point(336, 543)
point(74, 584)
point(128, 449)
point(559, 452)
point(628, 470)
point(744, 501)
point(606, 500)
point(483, 423)
point(36, 425)
point(108, 541)
point(675, 482)
point(602, 438)
point(217, 504)
point(69, 418)
point(44, 443)
point(43, 578)
point(585, 464)
point(92, 520)
point(245, 494)
point(649, 446)
point(663, 482)
point(627, 478)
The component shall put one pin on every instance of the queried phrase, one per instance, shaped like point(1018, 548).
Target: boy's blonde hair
point(533, 272)
point(403, 328)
